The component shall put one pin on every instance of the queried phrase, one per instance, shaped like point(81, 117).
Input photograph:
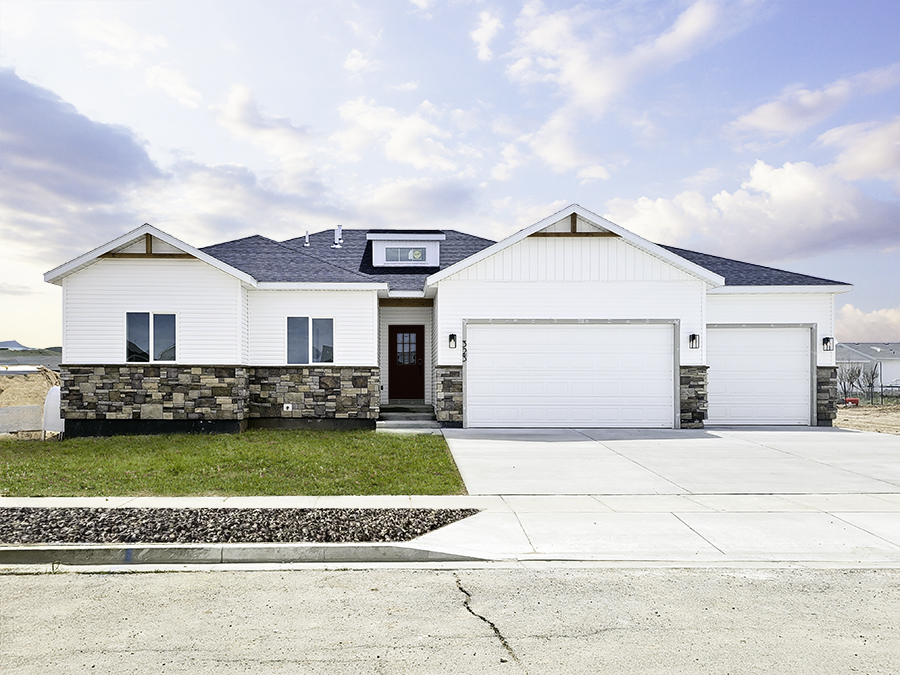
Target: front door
point(406, 369)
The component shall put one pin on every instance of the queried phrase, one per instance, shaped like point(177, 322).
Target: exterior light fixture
point(452, 340)
point(694, 341)
point(828, 344)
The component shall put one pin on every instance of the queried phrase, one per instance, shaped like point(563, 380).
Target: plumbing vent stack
point(338, 239)
point(306, 239)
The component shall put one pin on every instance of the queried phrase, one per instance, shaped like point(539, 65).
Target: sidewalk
point(697, 529)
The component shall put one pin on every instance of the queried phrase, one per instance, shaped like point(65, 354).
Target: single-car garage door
point(569, 375)
point(759, 375)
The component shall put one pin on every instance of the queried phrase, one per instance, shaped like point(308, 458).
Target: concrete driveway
point(770, 460)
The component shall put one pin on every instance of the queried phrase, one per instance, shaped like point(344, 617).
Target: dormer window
point(411, 254)
point(405, 248)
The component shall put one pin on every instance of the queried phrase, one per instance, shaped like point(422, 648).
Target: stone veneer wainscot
point(448, 395)
point(694, 398)
point(826, 395)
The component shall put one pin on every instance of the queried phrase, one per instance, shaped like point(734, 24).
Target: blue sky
point(760, 130)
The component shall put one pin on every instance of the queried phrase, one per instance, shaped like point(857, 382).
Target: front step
point(407, 416)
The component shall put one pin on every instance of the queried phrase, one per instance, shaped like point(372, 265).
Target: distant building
point(883, 355)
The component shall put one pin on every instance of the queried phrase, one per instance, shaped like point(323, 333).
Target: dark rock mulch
point(219, 526)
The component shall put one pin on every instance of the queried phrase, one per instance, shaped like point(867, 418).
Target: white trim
point(408, 236)
point(56, 275)
point(406, 294)
point(726, 290)
point(318, 286)
point(638, 242)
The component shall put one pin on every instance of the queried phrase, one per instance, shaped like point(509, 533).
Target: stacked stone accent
point(826, 395)
point(448, 395)
point(144, 392)
point(694, 400)
point(315, 392)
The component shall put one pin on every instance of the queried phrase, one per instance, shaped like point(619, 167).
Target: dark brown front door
point(406, 369)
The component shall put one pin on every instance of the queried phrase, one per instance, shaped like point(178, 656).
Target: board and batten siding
point(205, 301)
point(415, 316)
point(683, 300)
point(355, 315)
point(572, 259)
point(776, 308)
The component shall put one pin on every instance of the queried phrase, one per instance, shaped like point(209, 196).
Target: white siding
point(571, 259)
point(814, 308)
point(245, 325)
point(460, 300)
point(355, 315)
point(205, 300)
point(402, 316)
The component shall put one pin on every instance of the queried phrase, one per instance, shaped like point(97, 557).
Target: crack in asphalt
point(493, 626)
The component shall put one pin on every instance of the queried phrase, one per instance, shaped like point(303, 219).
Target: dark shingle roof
point(738, 273)
point(291, 261)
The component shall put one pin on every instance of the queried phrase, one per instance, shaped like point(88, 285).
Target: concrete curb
point(215, 554)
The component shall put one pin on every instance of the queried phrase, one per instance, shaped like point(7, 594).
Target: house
point(884, 356)
point(571, 322)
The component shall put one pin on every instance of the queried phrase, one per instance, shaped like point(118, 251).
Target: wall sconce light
point(452, 340)
point(828, 344)
point(694, 341)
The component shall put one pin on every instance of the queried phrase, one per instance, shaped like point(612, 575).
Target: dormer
point(406, 248)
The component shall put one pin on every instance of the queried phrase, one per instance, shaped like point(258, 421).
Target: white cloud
point(488, 27)
point(591, 173)
point(277, 136)
point(512, 158)
point(409, 139)
point(174, 84)
point(357, 62)
point(777, 212)
point(412, 85)
point(798, 108)
point(854, 325)
point(867, 150)
point(574, 52)
point(112, 42)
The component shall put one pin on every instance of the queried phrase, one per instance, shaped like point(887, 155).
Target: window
point(303, 334)
point(144, 337)
point(412, 254)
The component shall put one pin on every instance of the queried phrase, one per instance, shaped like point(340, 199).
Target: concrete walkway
point(816, 497)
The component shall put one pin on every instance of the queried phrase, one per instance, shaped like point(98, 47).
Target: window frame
point(310, 347)
point(151, 336)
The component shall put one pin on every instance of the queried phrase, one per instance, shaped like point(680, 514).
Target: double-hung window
point(310, 340)
point(148, 334)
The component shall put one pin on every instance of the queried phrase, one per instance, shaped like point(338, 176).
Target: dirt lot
point(29, 389)
point(884, 419)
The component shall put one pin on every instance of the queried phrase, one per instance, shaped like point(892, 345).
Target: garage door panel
point(570, 375)
point(759, 375)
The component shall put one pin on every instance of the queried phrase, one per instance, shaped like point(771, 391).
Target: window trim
point(151, 337)
point(309, 344)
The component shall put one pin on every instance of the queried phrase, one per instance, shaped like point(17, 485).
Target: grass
point(258, 462)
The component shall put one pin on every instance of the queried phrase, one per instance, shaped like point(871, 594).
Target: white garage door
point(759, 375)
point(569, 375)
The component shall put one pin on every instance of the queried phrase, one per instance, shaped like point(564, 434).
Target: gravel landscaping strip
point(22, 525)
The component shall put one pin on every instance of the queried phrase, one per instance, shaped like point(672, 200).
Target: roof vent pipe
point(338, 239)
point(306, 239)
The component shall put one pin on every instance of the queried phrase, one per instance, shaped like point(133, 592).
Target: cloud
point(854, 325)
point(291, 145)
point(417, 202)
point(591, 173)
point(778, 212)
point(174, 84)
point(409, 139)
point(488, 27)
point(573, 51)
point(357, 62)
point(868, 150)
point(798, 108)
point(112, 42)
point(412, 85)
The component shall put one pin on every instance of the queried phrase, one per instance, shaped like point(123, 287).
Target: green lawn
point(258, 462)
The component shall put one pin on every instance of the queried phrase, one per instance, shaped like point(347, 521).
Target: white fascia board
point(648, 247)
point(738, 290)
point(408, 236)
point(55, 276)
point(406, 294)
point(317, 286)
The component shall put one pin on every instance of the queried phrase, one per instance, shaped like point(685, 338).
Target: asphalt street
point(555, 620)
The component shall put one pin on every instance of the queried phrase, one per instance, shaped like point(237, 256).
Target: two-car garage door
point(569, 375)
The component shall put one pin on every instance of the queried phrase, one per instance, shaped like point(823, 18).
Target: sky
point(759, 130)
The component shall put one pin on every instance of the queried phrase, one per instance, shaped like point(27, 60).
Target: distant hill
point(12, 344)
